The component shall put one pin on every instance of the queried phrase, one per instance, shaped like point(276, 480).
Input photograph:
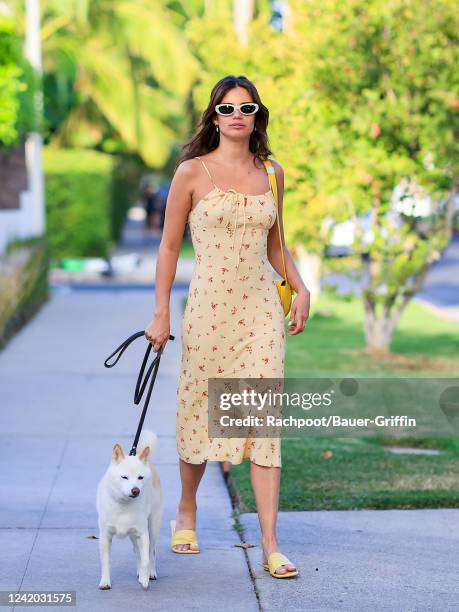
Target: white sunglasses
point(227, 108)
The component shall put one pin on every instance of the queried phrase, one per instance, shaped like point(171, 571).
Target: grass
point(359, 473)
point(355, 474)
point(332, 344)
point(186, 249)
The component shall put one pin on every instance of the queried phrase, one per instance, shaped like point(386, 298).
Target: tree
point(117, 74)
point(17, 86)
point(362, 95)
point(384, 79)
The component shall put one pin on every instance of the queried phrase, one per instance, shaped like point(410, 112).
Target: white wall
point(29, 219)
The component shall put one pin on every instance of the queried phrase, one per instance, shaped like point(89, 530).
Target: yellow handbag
point(283, 286)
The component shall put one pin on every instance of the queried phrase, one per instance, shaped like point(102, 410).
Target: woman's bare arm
point(178, 206)
point(274, 247)
point(300, 306)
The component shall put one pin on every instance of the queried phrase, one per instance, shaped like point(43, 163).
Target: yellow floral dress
point(233, 324)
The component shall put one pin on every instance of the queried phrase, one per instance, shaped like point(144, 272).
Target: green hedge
point(78, 191)
point(88, 194)
point(126, 179)
point(24, 286)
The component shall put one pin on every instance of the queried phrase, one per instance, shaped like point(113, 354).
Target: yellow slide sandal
point(275, 560)
point(183, 536)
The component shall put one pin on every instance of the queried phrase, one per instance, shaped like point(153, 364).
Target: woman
point(234, 324)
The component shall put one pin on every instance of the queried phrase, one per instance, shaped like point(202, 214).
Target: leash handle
point(141, 384)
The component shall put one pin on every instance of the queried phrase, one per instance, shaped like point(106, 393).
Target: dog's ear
point(118, 454)
point(144, 454)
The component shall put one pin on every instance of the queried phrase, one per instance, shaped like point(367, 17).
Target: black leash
point(140, 386)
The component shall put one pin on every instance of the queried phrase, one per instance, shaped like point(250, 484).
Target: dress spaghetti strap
point(207, 170)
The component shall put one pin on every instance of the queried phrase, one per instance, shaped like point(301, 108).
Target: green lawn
point(356, 474)
point(332, 344)
point(359, 473)
point(186, 249)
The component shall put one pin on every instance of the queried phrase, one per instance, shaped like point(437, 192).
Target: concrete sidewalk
point(62, 411)
point(369, 560)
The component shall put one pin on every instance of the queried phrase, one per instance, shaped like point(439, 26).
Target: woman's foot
point(269, 546)
point(185, 519)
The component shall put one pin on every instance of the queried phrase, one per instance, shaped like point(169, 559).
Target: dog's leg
point(135, 546)
point(144, 566)
point(153, 528)
point(105, 542)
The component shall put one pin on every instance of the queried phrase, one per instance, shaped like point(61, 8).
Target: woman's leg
point(265, 484)
point(191, 474)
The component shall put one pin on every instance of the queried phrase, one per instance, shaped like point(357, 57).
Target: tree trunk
point(378, 330)
point(243, 11)
point(310, 268)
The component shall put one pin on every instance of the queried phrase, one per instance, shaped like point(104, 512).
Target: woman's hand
point(299, 313)
point(158, 331)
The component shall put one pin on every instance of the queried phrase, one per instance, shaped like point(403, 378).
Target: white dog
point(130, 502)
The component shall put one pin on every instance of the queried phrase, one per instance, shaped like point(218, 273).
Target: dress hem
point(227, 460)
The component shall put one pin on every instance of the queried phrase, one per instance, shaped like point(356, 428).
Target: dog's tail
point(147, 438)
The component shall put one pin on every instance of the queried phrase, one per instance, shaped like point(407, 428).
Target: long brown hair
point(206, 138)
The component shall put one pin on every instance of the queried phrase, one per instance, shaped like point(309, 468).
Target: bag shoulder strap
point(273, 183)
